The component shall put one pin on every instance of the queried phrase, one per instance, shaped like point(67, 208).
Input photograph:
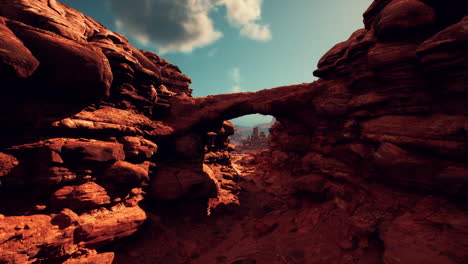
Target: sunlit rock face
point(391, 121)
point(78, 143)
point(366, 165)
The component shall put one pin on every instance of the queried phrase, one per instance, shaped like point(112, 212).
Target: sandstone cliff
point(79, 109)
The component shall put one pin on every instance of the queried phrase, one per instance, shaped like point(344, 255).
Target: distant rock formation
point(241, 133)
point(256, 141)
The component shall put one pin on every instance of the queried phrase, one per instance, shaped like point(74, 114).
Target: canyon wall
point(387, 140)
point(380, 140)
point(80, 135)
point(97, 133)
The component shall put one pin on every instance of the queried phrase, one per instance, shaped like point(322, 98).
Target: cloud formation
point(235, 76)
point(236, 89)
point(245, 14)
point(184, 25)
point(174, 25)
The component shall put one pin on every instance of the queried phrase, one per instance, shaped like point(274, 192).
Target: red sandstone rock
point(309, 183)
point(343, 60)
point(189, 146)
point(135, 196)
point(23, 238)
point(103, 227)
point(85, 83)
point(16, 61)
point(40, 163)
point(7, 163)
point(401, 17)
point(373, 11)
point(112, 121)
point(434, 231)
point(138, 148)
point(26, 239)
point(126, 173)
point(65, 219)
point(443, 57)
point(85, 196)
point(227, 190)
point(93, 150)
point(170, 74)
point(439, 132)
point(94, 258)
point(182, 180)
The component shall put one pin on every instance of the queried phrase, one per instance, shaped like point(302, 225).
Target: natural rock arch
point(187, 113)
point(196, 120)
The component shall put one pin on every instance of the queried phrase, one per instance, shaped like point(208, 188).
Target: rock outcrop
point(257, 141)
point(79, 106)
point(366, 165)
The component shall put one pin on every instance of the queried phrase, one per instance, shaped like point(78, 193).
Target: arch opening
point(252, 132)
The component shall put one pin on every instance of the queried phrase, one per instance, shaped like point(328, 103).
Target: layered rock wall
point(393, 117)
point(78, 109)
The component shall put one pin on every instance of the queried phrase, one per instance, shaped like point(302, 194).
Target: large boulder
point(75, 72)
point(182, 180)
point(92, 151)
point(85, 196)
point(402, 17)
point(98, 229)
point(443, 58)
point(16, 61)
point(127, 173)
point(7, 163)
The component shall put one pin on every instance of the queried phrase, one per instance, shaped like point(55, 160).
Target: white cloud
point(236, 78)
point(256, 32)
point(235, 75)
point(174, 25)
point(184, 25)
point(236, 89)
point(137, 34)
point(245, 14)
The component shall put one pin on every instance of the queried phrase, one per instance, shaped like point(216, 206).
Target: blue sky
point(239, 45)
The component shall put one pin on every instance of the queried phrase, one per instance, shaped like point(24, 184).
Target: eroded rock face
point(87, 195)
point(103, 65)
point(81, 107)
point(28, 239)
point(392, 116)
point(17, 61)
